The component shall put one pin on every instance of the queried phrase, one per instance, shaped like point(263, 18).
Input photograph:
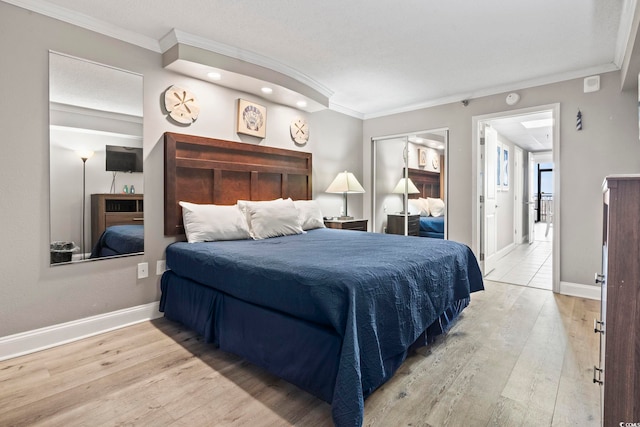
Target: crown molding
point(624, 31)
point(90, 112)
point(525, 84)
point(84, 21)
point(345, 110)
point(176, 36)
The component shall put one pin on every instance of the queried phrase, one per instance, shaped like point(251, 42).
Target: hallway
point(527, 265)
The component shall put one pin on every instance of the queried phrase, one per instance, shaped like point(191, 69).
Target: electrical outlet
point(143, 270)
point(161, 266)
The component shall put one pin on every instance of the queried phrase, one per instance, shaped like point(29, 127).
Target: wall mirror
point(410, 184)
point(95, 161)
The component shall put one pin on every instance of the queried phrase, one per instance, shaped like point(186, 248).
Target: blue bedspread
point(119, 240)
point(431, 223)
point(378, 291)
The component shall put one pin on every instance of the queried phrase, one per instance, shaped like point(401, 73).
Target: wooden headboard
point(427, 182)
point(213, 171)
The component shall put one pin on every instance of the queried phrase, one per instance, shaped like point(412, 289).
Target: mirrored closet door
point(410, 184)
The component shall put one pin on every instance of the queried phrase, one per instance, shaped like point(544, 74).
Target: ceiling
point(374, 59)
point(538, 137)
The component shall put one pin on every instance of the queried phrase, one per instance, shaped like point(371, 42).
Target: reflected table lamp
point(84, 155)
point(345, 183)
point(405, 186)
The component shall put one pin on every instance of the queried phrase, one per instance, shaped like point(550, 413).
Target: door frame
point(476, 188)
point(518, 194)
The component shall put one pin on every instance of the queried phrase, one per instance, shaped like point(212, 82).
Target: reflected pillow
point(208, 223)
point(309, 214)
point(424, 207)
point(271, 218)
point(436, 207)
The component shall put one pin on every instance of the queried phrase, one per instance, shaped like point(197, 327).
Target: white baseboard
point(580, 290)
point(40, 339)
point(505, 251)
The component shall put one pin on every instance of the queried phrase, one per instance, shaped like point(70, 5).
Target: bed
point(430, 185)
point(333, 311)
point(119, 240)
point(431, 226)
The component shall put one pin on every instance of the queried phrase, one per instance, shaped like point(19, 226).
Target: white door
point(531, 203)
point(490, 239)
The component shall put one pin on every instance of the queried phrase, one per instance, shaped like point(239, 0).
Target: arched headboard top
point(214, 171)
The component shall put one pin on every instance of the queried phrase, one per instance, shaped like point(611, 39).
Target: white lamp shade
point(345, 182)
point(405, 184)
point(84, 154)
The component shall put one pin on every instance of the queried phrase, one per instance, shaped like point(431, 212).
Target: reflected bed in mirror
point(96, 180)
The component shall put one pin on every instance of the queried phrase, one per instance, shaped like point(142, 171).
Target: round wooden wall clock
point(299, 131)
point(181, 105)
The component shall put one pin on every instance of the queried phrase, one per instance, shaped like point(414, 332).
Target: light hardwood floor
point(517, 356)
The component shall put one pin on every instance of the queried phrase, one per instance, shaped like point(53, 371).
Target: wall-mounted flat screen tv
point(123, 159)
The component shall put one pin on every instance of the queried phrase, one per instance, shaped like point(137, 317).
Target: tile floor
point(527, 264)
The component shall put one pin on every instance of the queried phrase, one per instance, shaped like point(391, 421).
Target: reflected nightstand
point(347, 224)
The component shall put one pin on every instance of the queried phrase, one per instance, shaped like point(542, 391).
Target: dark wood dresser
point(114, 209)
point(619, 327)
point(395, 224)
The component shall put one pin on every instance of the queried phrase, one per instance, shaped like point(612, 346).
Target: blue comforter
point(119, 240)
point(431, 223)
point(378, 291)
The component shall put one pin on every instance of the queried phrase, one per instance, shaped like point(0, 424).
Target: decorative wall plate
point(299, 131)
point(252, 119)
point(435, 162)
point(181, 105)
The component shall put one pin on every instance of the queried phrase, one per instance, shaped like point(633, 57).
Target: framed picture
point(505, 168)
point(498, 167)
point(422, 157)
point(252, 119)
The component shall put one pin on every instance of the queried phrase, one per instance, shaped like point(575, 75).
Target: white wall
point(389, 167)
point(504, 199)
point(335, 144)
point(35, 295)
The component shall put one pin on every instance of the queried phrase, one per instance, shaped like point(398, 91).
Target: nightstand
point(395, 224)
point(347, 224)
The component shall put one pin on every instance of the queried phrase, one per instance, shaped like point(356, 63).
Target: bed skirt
point(301, 352)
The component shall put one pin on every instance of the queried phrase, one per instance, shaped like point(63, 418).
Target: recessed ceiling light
point(214, 76)
point(266, 90)
point(301, 104)
point(532, 124)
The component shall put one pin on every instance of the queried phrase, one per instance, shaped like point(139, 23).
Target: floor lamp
point(84, 155)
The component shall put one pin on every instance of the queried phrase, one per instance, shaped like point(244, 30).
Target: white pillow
point(271, 218)
point(413, 206)
point(207, 223)
point(420, 205)
point(436, 207)
point(309, 214)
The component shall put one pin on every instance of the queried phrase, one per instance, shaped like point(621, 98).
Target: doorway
point(504, 237)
